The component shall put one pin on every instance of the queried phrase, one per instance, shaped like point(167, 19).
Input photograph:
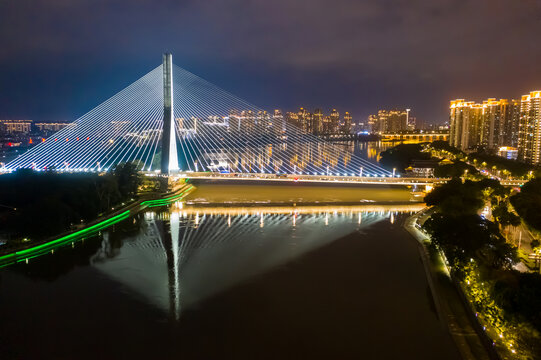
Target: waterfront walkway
point(454, 314)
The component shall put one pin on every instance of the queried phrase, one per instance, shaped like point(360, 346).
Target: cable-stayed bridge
point(171, 120)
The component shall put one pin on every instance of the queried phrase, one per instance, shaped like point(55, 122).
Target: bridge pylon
point(169, 161)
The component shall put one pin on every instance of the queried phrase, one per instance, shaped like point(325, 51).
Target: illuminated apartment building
point(529, 133)
point(16, 126)
point(334, 122)
point(498, 123)
point(347, 123)
point(318, 124)
point(465, 122)
point(389, 121)
point(491, 125)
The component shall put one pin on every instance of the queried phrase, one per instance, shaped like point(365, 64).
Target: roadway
point(400, 181)
point(390, 180)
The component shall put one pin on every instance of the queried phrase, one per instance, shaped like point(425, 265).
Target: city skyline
point(361, 56)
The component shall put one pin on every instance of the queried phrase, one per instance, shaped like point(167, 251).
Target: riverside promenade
point(453, 311)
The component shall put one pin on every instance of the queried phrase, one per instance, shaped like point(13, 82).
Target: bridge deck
point(313, 178)
point(402, 181)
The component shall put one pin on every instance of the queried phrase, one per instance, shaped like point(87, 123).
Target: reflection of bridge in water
point(185, 256)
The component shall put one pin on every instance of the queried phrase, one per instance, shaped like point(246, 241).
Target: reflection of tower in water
point(180, 258)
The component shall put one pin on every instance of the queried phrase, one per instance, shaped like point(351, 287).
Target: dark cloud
point(59, 58)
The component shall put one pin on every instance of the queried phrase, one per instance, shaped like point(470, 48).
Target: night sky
point(60, 58)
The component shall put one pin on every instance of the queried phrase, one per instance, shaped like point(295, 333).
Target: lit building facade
point(529, 131)
point(389, 121)
point(52, 127)
point(465, 124)
point(318, 123)
point(16, 126)
point(495, 124)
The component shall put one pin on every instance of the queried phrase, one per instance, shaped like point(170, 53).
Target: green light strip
point(41, 249)
point(166, 201)
point(46, 247)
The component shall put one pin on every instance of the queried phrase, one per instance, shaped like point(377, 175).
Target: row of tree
point(457, 228)
point(527, 203)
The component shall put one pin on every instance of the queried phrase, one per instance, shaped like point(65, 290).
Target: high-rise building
point(491, 122)
point(465, 122)
point(511, 125)
point(389, 121)
point(412, 122)
point(16, 126)
point(317, 122)
point(373, 123)
point(498, 123)
point(279, 120)
point(529, 137)
point(292, 118)
point(305, 119)
point(334, 122)
point(347, 124)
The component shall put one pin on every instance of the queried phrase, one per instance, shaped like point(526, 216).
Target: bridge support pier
point(169, 161)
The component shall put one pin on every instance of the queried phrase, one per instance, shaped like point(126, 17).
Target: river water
point(200, 280)
point(238, 283)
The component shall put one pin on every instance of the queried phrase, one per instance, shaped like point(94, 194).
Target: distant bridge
point(417, 137)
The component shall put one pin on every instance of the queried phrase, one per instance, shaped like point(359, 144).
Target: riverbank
point(454, 311)
point(29, 250)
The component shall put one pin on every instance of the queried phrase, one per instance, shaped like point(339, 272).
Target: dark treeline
point(527, 203)
point(458, 229)
point(463, 235)
point(40, 204)
point(403, 155)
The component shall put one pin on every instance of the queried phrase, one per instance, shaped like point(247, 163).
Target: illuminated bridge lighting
point(215, 131)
